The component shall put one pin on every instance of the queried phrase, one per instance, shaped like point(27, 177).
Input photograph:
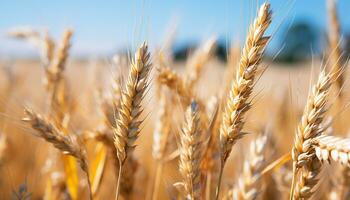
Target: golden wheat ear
point(176, 83)
point(40, 39)
point(67, 144)
point(128, 121)
point(200, 58)
point(238, 100)
point(250, 183)
point(332, 148)
point(310, 127)
point(191, 153)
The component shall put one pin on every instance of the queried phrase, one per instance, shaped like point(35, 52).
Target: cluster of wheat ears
point(209, 131)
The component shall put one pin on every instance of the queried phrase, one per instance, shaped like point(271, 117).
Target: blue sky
point(103, 26)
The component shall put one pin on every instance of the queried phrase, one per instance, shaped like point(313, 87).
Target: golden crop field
point(146, 126)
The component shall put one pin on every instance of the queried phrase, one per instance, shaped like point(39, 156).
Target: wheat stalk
point(303, 153)
point(191, 153)
point(68, 145)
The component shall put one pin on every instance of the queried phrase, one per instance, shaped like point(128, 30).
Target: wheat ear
point(238, 102)
point(47, 50)
point(27, 34)
point(128, 123)
point(175, 82)
point(241, 89)
point(199, 59)
point(191, 153)
point(303, 153)
point(340, 189)
point(42, 41)
point(54, 73)
point(250, 183)
point(67, 144)
point(59, 61)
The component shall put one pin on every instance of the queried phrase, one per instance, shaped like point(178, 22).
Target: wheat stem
point(118, 180)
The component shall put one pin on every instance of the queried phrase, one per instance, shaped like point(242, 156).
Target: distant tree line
point(298, 43)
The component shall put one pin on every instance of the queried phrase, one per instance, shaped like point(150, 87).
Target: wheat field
point(144, 126)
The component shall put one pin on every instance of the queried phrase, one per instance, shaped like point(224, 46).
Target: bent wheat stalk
point(238, 102)
point(128, 123)
point(67, 144)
